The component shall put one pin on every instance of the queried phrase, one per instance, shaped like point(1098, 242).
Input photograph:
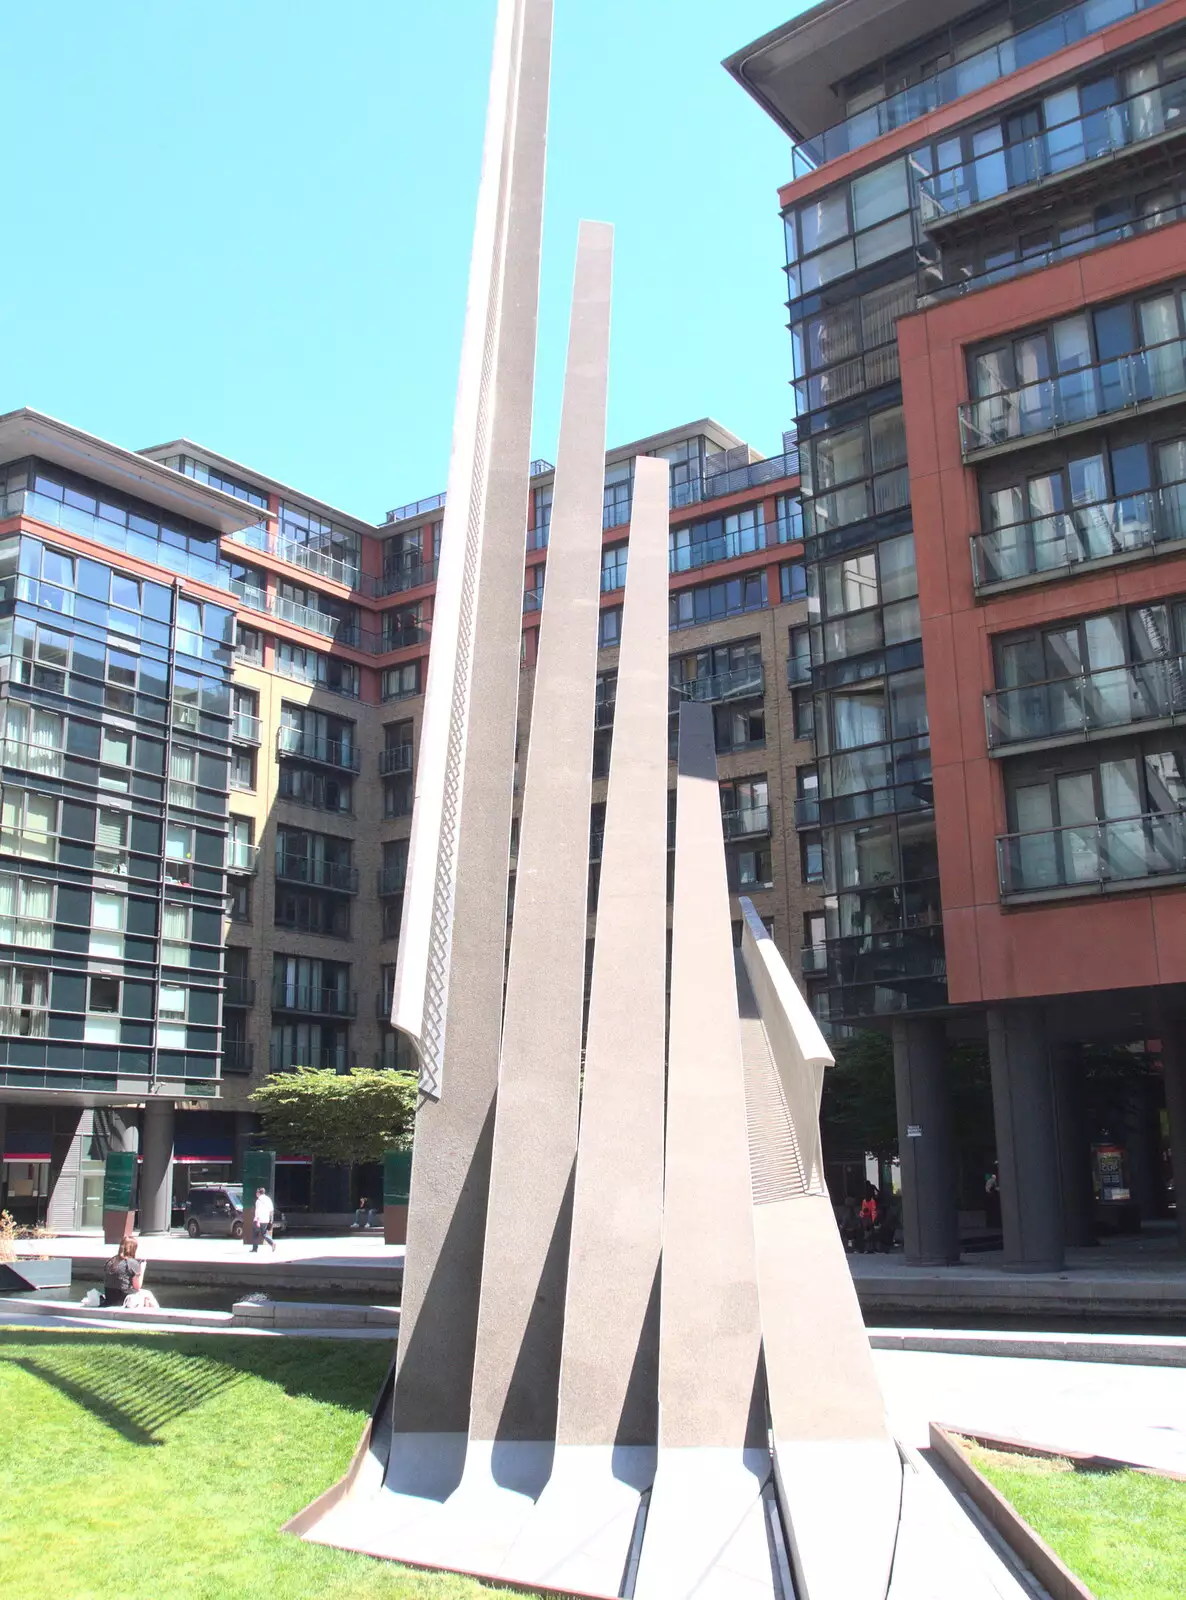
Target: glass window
point(841, 458)
point(823, 220)
point(850, 584)
point(858, 716)
point(879, 194)
point(899, 579)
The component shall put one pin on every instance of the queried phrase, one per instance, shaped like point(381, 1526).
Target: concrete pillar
point(1027, 1139)
point(930, 1212)
point(1173, 1063)
point(156, 1172)
point(3, 1135)
point(1074, 1150)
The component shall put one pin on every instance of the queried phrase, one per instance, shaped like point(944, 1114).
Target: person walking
point(262, 1218)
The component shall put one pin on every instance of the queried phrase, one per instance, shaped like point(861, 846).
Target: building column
point(156, 1172)
point(1074, 1153)
point(3, 1136)
point(1173, 1066)
point(71, 1131)
point(930, 1214)
point(1027, 1139)
point(246, 1123)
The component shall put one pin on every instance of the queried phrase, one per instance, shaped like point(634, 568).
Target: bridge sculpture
point(631, 1359)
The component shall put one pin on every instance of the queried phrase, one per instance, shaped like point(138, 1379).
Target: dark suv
point(217, 1208)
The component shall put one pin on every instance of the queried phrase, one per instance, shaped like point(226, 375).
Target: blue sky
point(248, 221)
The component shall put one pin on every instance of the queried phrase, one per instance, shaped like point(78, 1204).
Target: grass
point(160, 1467)
point(1122, 1532)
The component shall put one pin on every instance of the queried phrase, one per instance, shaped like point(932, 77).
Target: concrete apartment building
point(987, 312)
point(211, 694)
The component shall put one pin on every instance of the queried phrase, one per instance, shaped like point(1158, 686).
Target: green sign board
point(259, 1172)
point(397, 1177)
point(119, 1180)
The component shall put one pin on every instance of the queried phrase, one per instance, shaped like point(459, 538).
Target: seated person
point(364, 1217)
point(122, 1277)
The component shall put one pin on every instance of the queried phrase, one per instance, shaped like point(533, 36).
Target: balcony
point(309, 558)
point(813, 959)
point(400, 636)
point(238, 1057)
point(392, 880)
point(395, 758)
point(245, 729)
point(339, 753)
point(798, 671)
point(337, 1058)
point(1062, 154)
point(1077, 541)
point(406, 575)
point(615, 515)
point(383, 1002)
point(749, 823)
point(807, 811)
point(313, 1000)
point(1093, 705)
point(533, 599)
point(238, 991)
point(317, 873)
point(732, 477)
point(417, 508)
point(977, 71)
point(241, 859)
point(736, 684)
point(603, 713)
point(1149, 379)
point(1093, 857)
point(827, 514)
point(341, 630)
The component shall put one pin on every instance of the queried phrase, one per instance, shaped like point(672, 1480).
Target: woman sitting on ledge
point(122, 1277)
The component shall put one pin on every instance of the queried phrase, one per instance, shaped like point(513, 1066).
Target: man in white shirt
point(262, 1218)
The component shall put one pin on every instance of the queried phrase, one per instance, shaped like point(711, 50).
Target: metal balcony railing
point(313, 999)
point(395, 758)
point(1051, 546)
point(245, 728)
point(241, 859)
point(337, 1058)
point(238, 1057)
point(746, 823)
point(1093, 855)
point(404, 574)
point(724, 479)
point(310, 747)
point(1155, 113)
point(238, 991)
point(417, 508)
point(392, 880)
point(320, 874)
point(1093, 702)
point(1154, 375)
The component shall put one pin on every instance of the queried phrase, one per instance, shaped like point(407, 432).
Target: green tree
point(857, 1111)
point(346, 1117)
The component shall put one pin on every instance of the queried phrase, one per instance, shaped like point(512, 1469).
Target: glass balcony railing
point(1152, 114)
point(747, 823)
point(397, 758)
point(712, 483)
point(245, 728)
point(322, 1000)
point(807, 811)
point(417, 508)
point(406, 574)
point(1052, 546)
point(238, 991)
point(736, 684)
point(1072, 399)
point(241, 859)
point(392, 880)
point(615, 515)
point(337, 569)
point(813, 959)
point(798, 671)
point(310, 747)
point(321, 874)
point(1093, 854)
point(974, 72)
point(1115, 697)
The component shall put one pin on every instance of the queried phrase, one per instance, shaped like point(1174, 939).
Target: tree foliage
point(858, 1112)
point(347, 1117)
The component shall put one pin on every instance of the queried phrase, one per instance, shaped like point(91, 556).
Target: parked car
point(217, 1208)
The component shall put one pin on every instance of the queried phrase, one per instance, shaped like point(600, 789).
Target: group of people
point(870, 1227)
point(123, 1275)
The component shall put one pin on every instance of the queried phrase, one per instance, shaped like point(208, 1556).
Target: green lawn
point(1123, 1533)
point(159, 1467)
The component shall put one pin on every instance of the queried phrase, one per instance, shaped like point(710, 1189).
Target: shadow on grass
point(135, 1392)
point(138, 1383)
